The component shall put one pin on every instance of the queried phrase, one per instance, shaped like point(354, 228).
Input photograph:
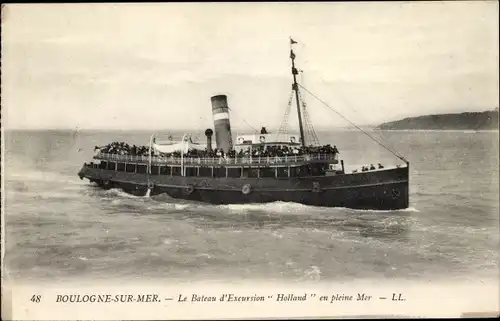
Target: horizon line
point(320, 128)
point(165, 129)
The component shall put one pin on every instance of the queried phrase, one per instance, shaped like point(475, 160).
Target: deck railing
point(246, 160)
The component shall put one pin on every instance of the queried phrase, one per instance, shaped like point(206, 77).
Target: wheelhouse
point(280, 140)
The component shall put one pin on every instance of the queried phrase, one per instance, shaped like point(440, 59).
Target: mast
point(295, 87)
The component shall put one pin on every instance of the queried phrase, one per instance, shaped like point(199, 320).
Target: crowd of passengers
point(121, 148)
point(369, 168)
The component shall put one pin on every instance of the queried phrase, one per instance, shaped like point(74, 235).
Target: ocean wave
point(45, 194)
point(115, 192)
point(405, 210)
point(205, 255)
point(312, 273)
point(278, 212)
point(445, 228)
point(168, 241)
point(409, 209)
point(277, 207)
point(277, 235)
point(291, 207)
point(169, 206)
point(30, 175)
point(456, 196)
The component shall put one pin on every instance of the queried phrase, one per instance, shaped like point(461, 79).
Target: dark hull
point(378, 190)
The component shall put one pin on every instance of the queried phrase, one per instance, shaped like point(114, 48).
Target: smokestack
point(209, 132)
point(220, 110)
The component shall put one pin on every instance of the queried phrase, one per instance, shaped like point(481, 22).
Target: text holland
point(291, 297)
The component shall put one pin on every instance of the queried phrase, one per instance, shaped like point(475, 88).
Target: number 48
point(36, 298)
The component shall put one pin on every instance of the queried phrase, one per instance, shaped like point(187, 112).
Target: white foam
point(313, 273)
point(291, 207)
point(277, 235)
point(408, 209)
point(119, 192)
point(168, 241)
point(205, 255)
point(181, 206)
point(280, 207)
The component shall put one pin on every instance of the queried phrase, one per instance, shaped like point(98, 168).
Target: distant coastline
point(477, 121)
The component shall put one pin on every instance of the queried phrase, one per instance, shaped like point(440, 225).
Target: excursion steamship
point(256, 168)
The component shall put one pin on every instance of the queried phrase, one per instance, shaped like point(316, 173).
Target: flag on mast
point(292, 41)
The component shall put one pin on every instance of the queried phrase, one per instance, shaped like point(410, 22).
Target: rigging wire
point(378, 130)
point(283, 129)
point(311, 133)
point(390, 150)
point(232, 110)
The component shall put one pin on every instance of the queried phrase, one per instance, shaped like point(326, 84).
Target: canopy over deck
point(182, 146)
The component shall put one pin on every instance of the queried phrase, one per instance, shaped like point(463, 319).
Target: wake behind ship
point(257, 168)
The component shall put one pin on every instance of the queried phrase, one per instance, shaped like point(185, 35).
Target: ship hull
point(377, 190)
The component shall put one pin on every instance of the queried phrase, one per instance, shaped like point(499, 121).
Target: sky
point(155, 66)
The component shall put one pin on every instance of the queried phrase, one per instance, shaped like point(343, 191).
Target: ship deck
point(285, 160)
